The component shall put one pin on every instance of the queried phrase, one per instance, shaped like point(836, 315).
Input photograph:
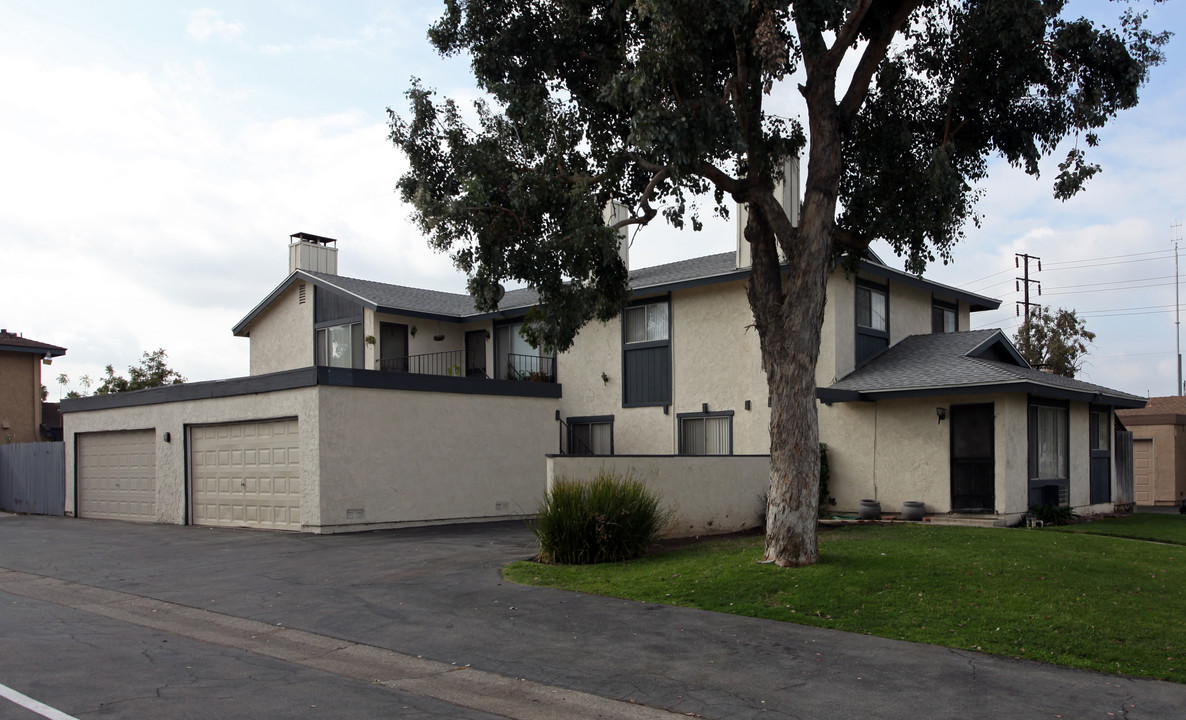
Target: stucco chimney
point(615, 212)
point(312, 252)
point(786, 190)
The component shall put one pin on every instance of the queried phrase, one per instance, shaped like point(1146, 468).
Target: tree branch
point(871, 58)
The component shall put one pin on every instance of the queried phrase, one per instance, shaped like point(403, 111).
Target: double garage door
point(241, 475)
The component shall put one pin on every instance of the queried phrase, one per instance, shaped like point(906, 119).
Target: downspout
point(875, 404)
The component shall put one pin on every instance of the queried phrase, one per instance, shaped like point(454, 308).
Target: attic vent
point(301, 294)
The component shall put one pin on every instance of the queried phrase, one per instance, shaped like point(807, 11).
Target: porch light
point(942, 413)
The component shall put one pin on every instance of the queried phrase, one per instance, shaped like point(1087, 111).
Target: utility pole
point(1176, 229)
point(1024, 282)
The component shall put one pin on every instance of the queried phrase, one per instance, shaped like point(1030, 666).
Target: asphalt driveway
point(435, 595)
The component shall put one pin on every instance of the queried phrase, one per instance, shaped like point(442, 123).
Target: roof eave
point(976, 303)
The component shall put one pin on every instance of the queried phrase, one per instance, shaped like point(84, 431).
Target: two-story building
point(374, 405)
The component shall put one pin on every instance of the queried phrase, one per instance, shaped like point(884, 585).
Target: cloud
point(206, 23)
point(158, 219)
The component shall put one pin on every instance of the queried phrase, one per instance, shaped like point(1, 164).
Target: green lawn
point(1070, 598)
point(1158, 528)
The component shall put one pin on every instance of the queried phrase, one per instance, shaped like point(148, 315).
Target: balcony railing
point(530, 367)
point(459, 363)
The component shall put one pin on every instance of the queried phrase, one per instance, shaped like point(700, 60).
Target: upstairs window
point(872, 315)
point(647, 323)
point(340, 345)
point(646, 354)
point(872, 308)
point(944, 318)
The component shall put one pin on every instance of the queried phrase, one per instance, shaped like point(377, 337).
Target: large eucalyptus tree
point(665, 106)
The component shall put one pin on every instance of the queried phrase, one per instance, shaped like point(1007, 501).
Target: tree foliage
point(151, 372)
point(1054, 341)
point(677, 108)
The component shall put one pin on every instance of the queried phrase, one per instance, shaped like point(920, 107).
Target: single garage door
point(1142, 471)
point(246, 474)
point(116, 475)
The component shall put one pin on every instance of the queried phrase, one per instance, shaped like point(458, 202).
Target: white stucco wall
point(282, 335)
point(706, 495)
point(715, 360)
point(173, 418)
point(909, 310)
point(404, 457)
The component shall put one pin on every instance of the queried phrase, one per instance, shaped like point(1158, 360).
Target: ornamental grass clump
point(606, 518)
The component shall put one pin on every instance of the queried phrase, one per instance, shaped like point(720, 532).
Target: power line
point(1134, 287)
point(1112, 282)
point(1107, 264)
point(1109, 257)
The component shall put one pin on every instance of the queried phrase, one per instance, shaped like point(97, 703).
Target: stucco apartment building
point(375, 405)
point(21, 359)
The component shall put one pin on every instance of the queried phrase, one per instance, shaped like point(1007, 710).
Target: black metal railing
point(448, 362)
point(570, 442)
point(530, 367)
point(462, 363)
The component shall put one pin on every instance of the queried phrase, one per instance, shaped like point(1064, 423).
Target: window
point(591, 435)
point(646, 354)
point(1052, 442)
point(706, 433)
point(515, 359)
point(1100, 427)
point(646, 323)
point(872, 308)
point(340, 345)
point(872, 311)
point(944, 317)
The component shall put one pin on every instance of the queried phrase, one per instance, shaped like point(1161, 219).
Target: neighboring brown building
point(20, 386)
point(1159, 450)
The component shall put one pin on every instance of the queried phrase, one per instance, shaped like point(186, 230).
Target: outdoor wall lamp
point(168, 437)
point(942, 413)
point(604, 378)
point(412, 332)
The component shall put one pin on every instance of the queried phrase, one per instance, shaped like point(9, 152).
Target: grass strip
point(1073, 599)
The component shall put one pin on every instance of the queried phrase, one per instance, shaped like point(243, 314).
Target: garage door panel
point(1142, 457)
point(242, 474)
point(116, 475)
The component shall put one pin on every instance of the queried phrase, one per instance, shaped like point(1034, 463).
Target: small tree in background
point(1054, 341)
point(151, 372)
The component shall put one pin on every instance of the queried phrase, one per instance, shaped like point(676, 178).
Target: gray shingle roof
point(962, 362)
point(459, 307)
point(13, 342)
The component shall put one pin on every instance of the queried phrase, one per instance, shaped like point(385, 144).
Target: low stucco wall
point(394, 457)
point(173, 417)
point(707, 495)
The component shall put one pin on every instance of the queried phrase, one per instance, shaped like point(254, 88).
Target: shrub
point(604, 519)
point(1053, 514)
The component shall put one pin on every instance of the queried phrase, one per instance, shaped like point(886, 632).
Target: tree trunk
point(788, 313)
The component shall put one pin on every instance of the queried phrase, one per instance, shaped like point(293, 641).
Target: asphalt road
point(113, 620)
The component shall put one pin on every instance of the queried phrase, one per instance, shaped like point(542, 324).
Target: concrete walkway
point(412, 606)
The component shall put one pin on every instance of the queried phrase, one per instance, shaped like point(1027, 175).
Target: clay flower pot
point(913, 510)
point(869, 510)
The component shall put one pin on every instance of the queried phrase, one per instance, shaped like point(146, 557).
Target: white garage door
point(247, 474)
point(116, 475)
point(1142, 471)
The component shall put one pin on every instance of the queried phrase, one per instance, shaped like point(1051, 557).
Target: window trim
point(357, 352)
point(679, 423)
point(647, 345)
point(590, 420)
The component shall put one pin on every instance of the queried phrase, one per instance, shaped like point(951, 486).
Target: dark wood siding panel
point(328, 307)
point(648, 376)
point(869, 347)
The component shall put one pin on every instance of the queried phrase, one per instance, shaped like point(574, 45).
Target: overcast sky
point(156, 157)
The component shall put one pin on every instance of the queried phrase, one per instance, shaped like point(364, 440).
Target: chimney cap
point(309, 237)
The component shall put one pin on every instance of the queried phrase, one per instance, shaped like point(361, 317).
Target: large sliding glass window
point(340, 345)
point(1049, 455)
point(515, 359)
point(591, 435)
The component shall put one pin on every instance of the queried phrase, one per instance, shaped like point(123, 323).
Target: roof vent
point(313, 253)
